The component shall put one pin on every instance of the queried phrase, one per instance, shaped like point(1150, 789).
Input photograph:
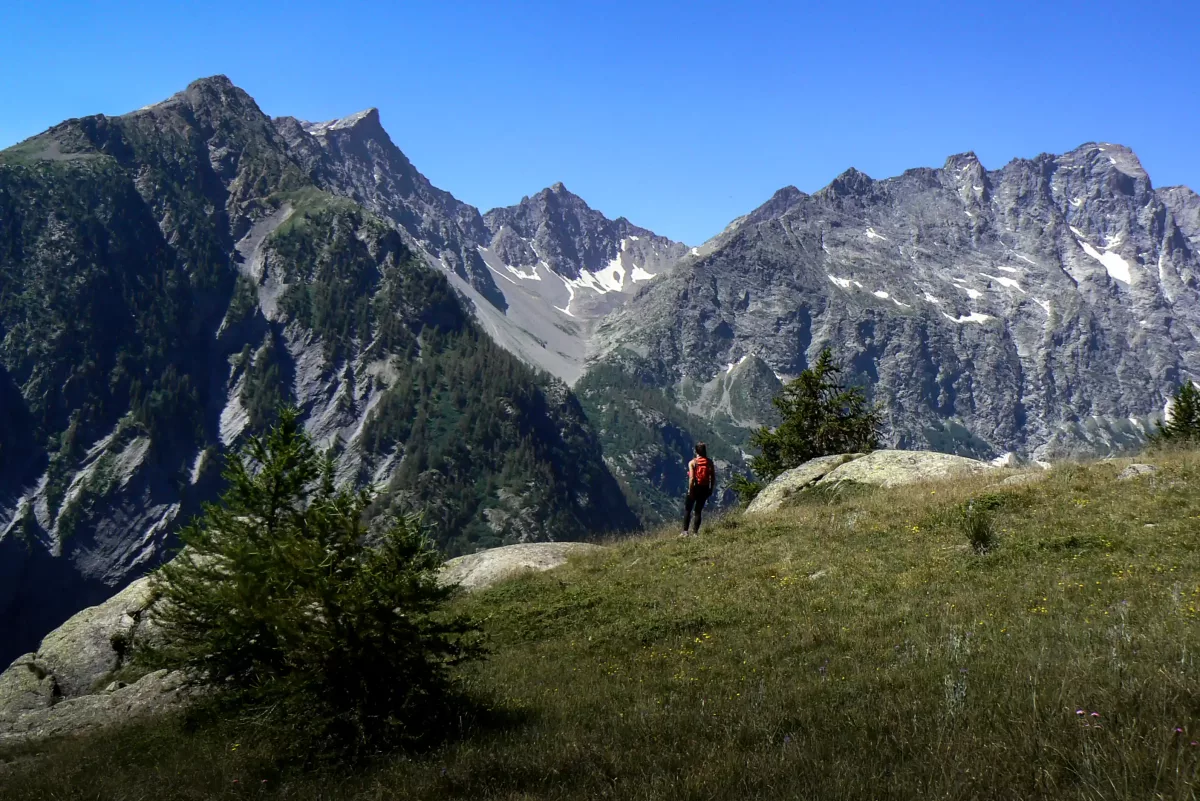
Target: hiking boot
point(685, 534)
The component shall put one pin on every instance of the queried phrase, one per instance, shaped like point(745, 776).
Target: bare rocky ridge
point(1047, 308)
point(538, 274)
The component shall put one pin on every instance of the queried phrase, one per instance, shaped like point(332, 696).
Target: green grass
point(854, 646)
point(30, 150)
point(308, 202)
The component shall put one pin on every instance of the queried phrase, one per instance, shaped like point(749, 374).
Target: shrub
point(277, 602)
point(746, 489)
point(820, 417)
point(975, 520)
point(1183, 422)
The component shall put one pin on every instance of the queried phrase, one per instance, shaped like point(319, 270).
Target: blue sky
point(680, 116)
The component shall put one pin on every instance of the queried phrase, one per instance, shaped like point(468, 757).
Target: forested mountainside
point(1048, 308)
point(167, 278)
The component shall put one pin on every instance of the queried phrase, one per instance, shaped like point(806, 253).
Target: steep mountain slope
point(1046, 308)
point(538, 274)
point(166, 278)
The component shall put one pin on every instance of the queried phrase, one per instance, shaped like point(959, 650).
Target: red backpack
point(702, 472)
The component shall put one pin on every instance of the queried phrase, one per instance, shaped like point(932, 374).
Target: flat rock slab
point(895, 468)
point(153, 694)
point(479, 570)
point(786, 484)
point(1136, 471)
point(1020, 479)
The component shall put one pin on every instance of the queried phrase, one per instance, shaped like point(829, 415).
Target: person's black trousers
point(694, 503)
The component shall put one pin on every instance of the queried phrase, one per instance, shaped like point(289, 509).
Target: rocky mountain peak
point(779, 203)
point(850, 183)
point(1105, 157)
point(212, 82)
point(216, 95)
point(363, 123)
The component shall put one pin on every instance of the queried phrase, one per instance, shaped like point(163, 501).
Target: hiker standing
point(702, 479)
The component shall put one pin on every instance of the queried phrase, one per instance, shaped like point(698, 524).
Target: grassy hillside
point(850, 647)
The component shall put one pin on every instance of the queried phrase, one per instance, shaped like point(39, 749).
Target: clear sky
point(680, 116)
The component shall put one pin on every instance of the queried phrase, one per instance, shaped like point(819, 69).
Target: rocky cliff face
point(169, 276)
point(354, 157)
point(1047, 308)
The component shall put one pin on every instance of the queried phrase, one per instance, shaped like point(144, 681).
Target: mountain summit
point(537, 275)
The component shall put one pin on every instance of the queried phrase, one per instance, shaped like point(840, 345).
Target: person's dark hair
point(701, 449)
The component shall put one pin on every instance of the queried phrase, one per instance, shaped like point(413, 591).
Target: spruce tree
point(820, 417)
point(279, 602)
point(1184, 422)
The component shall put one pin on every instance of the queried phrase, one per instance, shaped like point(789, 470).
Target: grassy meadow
point(853, 646)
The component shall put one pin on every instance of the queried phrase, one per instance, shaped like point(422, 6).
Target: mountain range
point(533, 372)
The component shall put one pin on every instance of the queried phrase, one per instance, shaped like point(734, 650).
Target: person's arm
point(690, 468)
point(712, 475)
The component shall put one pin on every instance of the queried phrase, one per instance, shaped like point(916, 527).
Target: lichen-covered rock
point(1021, 479)
point(788, 483)
point(24, 687)
point(479, 570)
point(154, 693)
point(889, 468)
point(90, 645)
point(1136, 471)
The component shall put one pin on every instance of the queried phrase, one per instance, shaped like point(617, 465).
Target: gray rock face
point(80, 655)
point(355, 157)
point(483, 569)
point(93, 643)
point(890, 468)
point(558, 229)
point(65, 686)
point(1046, 308)
point(788, 483)
point(152, 694)
point(1136, 471)
point(25, 686)
point(537, 274)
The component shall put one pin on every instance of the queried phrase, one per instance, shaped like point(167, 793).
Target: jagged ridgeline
point(167, 278)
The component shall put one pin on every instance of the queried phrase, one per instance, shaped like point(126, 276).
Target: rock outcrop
point(786, 484)
point(883, 468)
point(69, 684)
point(1136, 471)
point(91, 646)
point(152, 694)
point(480, 570)
point(889, 468)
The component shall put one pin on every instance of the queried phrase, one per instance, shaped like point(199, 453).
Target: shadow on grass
point(204, 752)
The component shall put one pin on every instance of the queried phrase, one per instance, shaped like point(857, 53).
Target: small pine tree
point(1183, 425)
point(278, 602)
point(820, 417)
